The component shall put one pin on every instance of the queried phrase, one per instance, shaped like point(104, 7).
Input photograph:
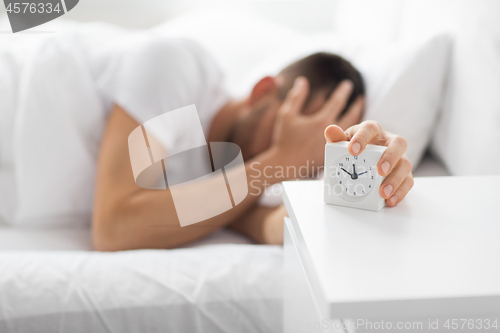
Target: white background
point(304, 15)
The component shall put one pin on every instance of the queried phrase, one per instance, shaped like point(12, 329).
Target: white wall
point(304, 15)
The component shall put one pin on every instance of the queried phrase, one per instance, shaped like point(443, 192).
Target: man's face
point(253, 130)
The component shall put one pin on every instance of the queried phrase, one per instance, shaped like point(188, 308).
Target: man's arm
point(262, 224)
point(129, 217)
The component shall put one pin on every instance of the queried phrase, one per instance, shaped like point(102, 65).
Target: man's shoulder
point(167, 49)
point(155, 74)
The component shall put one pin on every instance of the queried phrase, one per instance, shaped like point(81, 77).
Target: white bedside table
point(433, 259)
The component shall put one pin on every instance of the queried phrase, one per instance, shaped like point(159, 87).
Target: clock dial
point(355, 176)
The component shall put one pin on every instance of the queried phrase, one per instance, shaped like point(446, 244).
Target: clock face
point(355, 176)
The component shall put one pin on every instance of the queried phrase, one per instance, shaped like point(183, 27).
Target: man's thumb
point(333, 133)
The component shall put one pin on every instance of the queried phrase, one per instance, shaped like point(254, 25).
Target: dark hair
point(324, 71)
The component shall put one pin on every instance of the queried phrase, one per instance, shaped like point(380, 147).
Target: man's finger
point(395, 178)
point(361, 135)
point(395, 150)
point(401, 192)
point(334, 133)
point(337, 101)
point(353, 114)
point(296, 97)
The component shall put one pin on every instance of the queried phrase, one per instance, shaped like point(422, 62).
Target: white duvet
point(215, 288)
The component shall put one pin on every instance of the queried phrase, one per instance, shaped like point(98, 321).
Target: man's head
point(324, 71)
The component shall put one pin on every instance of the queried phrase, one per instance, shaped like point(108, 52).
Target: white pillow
point(470, 123)
point(404, 81)
point(369, 20)
point(471, 111)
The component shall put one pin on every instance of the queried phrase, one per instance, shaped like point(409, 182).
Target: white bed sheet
point(211, 288)
point(51, 281)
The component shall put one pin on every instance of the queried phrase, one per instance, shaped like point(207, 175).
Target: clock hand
point(350, 174)
point(354, 174)
point(359, 174)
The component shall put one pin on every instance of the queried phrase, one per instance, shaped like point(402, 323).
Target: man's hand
point(394, 163)
point(297, 138)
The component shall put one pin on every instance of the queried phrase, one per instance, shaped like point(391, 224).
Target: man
point(281, 123)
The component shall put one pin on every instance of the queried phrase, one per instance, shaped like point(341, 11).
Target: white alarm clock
point(353, 181)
